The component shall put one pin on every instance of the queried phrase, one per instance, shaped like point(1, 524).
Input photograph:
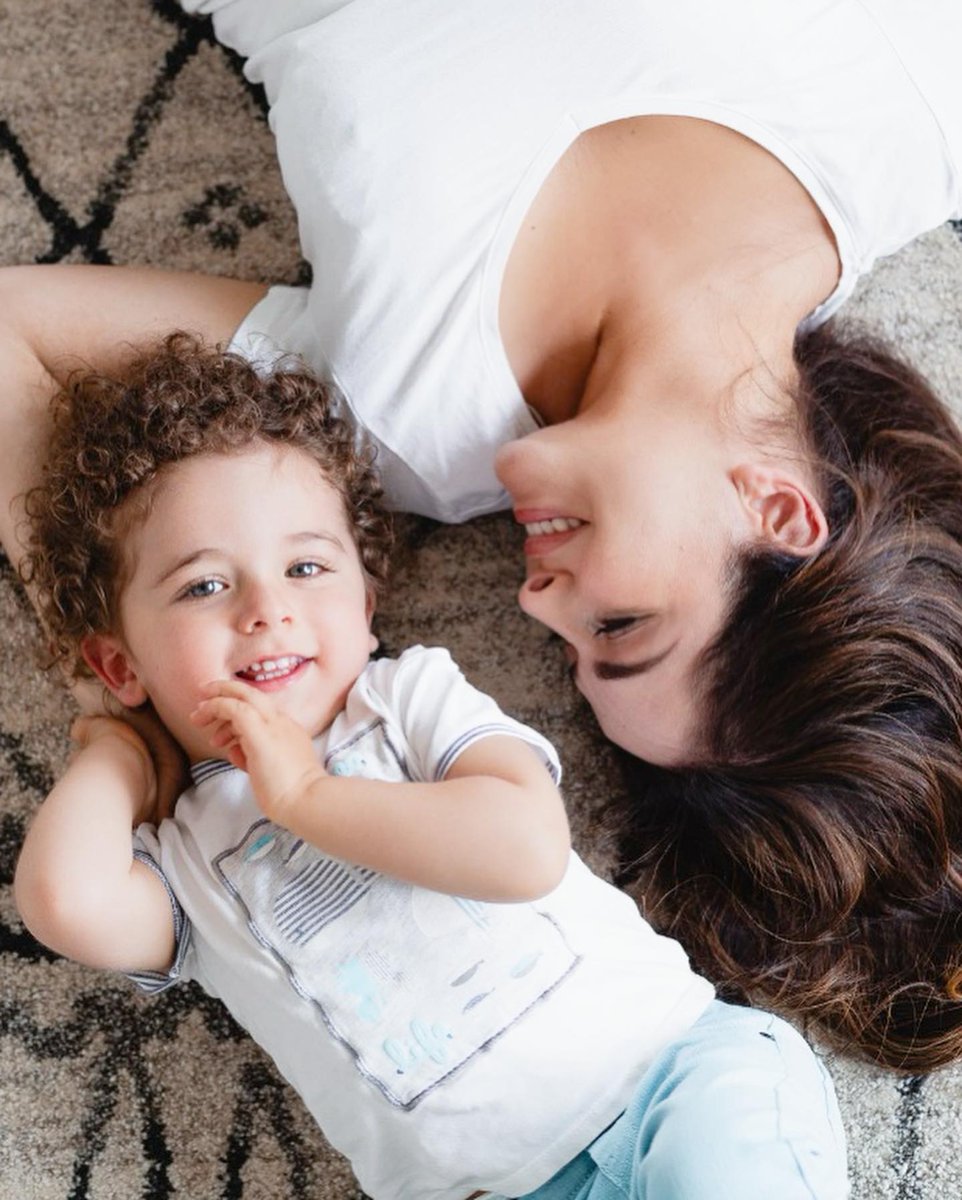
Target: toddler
point(371, 867)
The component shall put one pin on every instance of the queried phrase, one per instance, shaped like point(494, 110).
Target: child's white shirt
point(442, 1045)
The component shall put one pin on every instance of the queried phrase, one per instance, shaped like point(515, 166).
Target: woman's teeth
point(271, 668)
point(555, 525)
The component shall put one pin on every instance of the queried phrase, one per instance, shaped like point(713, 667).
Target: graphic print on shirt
point(413, 982)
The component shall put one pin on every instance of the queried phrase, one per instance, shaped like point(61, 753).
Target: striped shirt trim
point(153, 982)
point(494, 729)
point(199, 772)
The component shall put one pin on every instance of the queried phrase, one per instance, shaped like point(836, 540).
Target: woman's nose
point(545, 596)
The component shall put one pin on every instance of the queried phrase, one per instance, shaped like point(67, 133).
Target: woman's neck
point(683, 230)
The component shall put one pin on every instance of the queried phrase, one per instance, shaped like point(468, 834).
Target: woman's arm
point(56, 318)
point(78, 887)
point(493, 829)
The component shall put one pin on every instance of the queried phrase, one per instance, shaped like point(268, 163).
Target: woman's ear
point(782, 508)
point(105, 655)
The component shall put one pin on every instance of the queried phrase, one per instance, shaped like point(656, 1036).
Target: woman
point(578, 260)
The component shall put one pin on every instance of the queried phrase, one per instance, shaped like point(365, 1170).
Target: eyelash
point(615, 627)
point(192, 590)
point(323, 568)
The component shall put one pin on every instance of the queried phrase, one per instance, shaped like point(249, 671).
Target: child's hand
point(271, 747)
point(170, 762)
point(118, 741)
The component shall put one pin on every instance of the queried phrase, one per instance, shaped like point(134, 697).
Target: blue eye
point(202, 588)
point(307, 570)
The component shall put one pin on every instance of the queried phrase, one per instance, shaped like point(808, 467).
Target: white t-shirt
point(443, 1045)
point(414, 137)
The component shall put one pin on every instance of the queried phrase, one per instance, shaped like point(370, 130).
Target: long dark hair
point(813, 860)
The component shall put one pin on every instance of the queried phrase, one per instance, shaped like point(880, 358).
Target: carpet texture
point(128, 136)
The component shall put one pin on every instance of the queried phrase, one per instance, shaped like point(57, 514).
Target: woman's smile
point(549, 535)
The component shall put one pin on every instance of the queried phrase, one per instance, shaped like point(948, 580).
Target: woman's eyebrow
point(613, 670)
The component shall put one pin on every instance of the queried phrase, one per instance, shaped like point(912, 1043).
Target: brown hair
point(114, 435)
point(813, 861)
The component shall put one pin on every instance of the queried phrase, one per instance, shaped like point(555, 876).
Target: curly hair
point(113, 436)
point(813, 860)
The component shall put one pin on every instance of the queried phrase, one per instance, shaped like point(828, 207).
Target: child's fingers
point(237, 717)
point(234, 689)
point(223, 736)
point(205, 715)
point(236, 757)
point(240, 693)
point(225, 708)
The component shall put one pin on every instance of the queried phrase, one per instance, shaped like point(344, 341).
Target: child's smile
point(273, 671)
point(245, 568)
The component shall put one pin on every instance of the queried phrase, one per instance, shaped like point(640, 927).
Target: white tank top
point(413, 138)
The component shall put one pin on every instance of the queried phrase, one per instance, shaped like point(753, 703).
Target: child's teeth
point(271, 667)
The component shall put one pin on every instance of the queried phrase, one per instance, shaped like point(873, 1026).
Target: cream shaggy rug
point(127, 135)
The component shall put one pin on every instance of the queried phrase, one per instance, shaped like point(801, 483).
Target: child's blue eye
point(307, 570)
point(202, 588)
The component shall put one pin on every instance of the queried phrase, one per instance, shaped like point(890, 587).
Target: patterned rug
point(128, 136)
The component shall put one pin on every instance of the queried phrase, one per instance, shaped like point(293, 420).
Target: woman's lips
point(547, 531)
point(540, 544)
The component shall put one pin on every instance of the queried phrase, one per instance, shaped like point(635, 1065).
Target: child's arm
point(493, 829)
point(78, 887)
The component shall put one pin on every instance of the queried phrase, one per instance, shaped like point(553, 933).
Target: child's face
point(244, 568)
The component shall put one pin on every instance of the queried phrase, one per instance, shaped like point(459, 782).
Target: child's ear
point(105, 655)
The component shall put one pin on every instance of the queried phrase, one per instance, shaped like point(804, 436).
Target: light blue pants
point(738, 1108)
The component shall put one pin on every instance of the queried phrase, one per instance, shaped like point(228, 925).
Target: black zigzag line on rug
point(67, 1040)
point(116, 1013)
point(908, 1117)
point(102, 1106)
point(146, 116)
point(263, 1096)
point(16, 942)
point(49, 208)
point(32, 775)
point(171, 11)
point(125, 1030)
point(67, 233)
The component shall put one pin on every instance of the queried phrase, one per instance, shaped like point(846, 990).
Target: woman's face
point(630, 532)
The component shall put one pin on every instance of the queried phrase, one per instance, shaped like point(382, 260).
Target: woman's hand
point(271, 747)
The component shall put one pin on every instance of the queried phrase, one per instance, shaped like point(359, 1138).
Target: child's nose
point(264, 608)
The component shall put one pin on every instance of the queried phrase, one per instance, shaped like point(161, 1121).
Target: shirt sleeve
point(146, 851)
point(440, 714)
